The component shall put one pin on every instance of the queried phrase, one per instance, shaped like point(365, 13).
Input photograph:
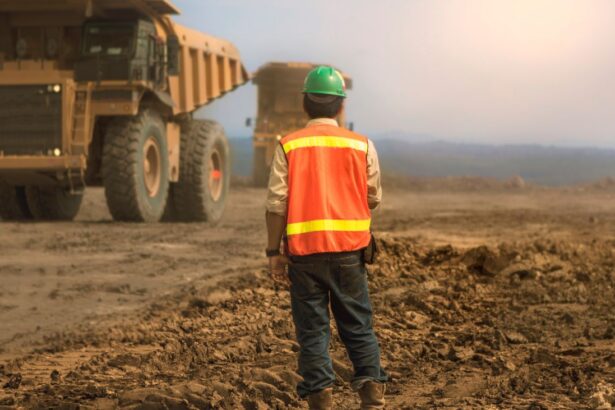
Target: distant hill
point(541, 165)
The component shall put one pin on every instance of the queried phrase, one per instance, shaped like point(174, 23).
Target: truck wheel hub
point(151, 166)
point(216, 180)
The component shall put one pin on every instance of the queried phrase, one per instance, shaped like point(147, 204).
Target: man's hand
point(277, 269)
point(276, 224)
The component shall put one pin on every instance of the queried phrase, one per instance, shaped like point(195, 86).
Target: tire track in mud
point(527, 325)
point(56, 276)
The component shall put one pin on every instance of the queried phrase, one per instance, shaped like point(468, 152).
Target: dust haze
point(479, 71)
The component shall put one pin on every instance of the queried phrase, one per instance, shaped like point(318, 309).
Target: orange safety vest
point(327, 190)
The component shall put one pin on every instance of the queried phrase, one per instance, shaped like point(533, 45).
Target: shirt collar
point(322, 121)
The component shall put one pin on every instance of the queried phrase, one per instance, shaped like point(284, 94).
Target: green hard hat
point(325, 80)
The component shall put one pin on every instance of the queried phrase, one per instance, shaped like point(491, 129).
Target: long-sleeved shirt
point(277, 196)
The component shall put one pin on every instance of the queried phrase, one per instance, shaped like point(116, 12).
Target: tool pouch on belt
point(370, 254)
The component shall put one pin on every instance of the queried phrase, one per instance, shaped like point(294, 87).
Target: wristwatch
point(272, 252)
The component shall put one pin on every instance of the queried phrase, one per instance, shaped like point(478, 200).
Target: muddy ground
point(484, 299)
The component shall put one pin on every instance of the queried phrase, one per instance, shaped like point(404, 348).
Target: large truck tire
point(204, 173)
point(13, 203)
point(261, 170)
point(53, 203)
point(136, 167)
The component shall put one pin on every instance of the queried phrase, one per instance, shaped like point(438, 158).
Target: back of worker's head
point(315, 107)
point(324, 93)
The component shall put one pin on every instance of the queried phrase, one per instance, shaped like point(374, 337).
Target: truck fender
point(164, 98)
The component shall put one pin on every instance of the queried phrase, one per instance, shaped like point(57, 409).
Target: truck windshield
point(108, 40)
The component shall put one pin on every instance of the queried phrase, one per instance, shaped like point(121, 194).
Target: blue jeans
point(338, 280)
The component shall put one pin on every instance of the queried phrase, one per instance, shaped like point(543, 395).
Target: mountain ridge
point(548, 165)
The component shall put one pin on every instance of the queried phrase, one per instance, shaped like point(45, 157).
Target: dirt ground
point(484, 300)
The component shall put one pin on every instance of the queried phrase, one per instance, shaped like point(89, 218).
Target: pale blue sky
point(494, 71)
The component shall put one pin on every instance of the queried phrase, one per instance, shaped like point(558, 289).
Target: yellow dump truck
point(280, 110)
point(102, 93)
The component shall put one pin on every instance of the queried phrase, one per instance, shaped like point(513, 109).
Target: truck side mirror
point(249, 122)
point(351, 126)
point(173, 55)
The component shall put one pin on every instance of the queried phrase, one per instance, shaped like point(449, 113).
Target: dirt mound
point(525, 325)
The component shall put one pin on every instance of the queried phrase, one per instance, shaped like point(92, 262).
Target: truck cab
point(127, 50)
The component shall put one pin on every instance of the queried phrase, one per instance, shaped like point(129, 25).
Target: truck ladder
point(82, 121)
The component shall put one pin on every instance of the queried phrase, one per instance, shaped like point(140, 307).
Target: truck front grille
point(30, 119)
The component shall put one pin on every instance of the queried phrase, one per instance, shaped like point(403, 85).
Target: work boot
point(372, 395)
point(323, 400)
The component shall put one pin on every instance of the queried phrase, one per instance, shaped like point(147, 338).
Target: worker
point(324, 182)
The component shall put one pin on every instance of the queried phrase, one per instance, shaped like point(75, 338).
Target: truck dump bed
point(210, 67)
point(91, 7)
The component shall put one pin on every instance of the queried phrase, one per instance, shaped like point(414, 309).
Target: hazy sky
point(496, 71)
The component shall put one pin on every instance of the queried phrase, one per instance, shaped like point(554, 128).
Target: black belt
point(323, 257)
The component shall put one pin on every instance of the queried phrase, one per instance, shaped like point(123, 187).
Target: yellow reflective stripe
point(328, 225)
point(329, 142)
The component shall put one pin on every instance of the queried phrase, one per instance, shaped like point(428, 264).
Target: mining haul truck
point(102, 93)
point(280, 110)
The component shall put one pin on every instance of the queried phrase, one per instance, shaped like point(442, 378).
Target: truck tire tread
point(120, 164)
point(192, 200)
point(53, 203)
point(13, 203)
